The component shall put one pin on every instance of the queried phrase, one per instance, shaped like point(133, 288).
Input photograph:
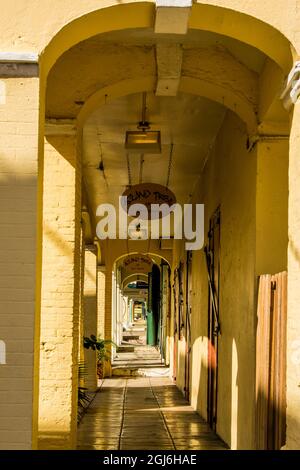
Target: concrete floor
point(141, 359)
point(147, 413)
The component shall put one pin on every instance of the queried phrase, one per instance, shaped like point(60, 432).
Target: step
point(155, 371)
point(127, 337)
point(140, 329)
point(125, 349)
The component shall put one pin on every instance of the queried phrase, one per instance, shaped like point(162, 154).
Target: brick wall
point(90, 313)
point(18, 210)
point(101, 300)
point(60, 294)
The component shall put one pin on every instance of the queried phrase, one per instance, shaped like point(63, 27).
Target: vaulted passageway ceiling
point(112, 57)
point(190, 123)
point(97, 80)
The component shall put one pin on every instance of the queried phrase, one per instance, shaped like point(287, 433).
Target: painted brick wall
point(60, 294)
point(18, 221)
point(101, 300)
point(90, 313)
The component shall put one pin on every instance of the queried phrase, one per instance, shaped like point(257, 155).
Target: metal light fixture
point(143, 140)
point(138, 233)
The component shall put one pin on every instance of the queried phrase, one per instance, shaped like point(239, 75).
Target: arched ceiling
point(190, 122)
point(112, 57)
point(218, 71)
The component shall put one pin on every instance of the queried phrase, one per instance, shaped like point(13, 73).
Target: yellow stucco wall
point(293, 323)
point(272, 206)
point(19, 111)
point(24, 29)
point(241, 183)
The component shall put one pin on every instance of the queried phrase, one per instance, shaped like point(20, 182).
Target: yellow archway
point(225, 21)
point(133, 278)
point(223, 95)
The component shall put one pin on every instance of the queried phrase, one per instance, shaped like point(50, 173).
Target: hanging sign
point(148, 194)
point(137, 263)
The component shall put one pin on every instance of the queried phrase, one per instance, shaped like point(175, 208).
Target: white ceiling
point(190, 122)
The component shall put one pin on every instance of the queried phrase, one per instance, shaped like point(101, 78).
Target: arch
point(117, 90)
point(222, 95)
point(151, 254)
point(114, 18)
point(216, 19)
point(133, 278)
point(245, 28)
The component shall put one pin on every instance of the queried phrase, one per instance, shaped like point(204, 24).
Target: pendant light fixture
point(143, 140)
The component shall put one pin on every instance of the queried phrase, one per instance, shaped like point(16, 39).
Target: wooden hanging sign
point(148, 194)
point(138, 263)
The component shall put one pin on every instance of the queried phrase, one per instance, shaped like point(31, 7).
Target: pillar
point(60, 292)
point(101, 276)
point(90, 314)
point(19, 251)
point(109, 314)
point(272, 205)
point(119, 306)
point(81, 349)
point(293, 317)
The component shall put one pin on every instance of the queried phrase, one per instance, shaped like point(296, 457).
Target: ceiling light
point(138, 233)
point(143, 141)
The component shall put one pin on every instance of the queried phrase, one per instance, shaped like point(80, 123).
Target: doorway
point(212, 252)
point(188, 347)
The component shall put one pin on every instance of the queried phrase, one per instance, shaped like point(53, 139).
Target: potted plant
point(102, 347)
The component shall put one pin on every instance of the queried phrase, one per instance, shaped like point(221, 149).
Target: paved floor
point(135, 357)
point(143, 413)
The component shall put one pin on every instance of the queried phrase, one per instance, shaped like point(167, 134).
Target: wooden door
point(213, 269)
point(188, 314)
point(164, 309)
point(178, 313)
point(175, 326)
point(271, 362)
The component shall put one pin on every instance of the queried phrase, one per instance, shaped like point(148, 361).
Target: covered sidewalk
point(146, 413)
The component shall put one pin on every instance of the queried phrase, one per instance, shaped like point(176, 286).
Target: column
point(60, 292)
point(118, 314)
point(19, 237)
point(101, 277)
point(109, 313)
point(81, 306)
point(90, 314)
point(272, 205)
point(293, 313)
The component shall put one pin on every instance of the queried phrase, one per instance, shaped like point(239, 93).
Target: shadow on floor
point(144, 413)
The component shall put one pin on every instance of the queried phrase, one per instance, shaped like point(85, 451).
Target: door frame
point(213, 327)
point(188, 347)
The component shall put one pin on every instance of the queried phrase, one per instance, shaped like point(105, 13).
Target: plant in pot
point(102, 347)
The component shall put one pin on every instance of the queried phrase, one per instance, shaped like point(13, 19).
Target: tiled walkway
point(143, 413)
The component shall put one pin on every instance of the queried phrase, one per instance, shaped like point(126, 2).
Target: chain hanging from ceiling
point(141, 168)
point(129, 170)
point(101, 163)
point(170, 165)
point(145, 125)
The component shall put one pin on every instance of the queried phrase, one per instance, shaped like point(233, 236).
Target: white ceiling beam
point(19, 57)
point(172, 16)
point(169, 62)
